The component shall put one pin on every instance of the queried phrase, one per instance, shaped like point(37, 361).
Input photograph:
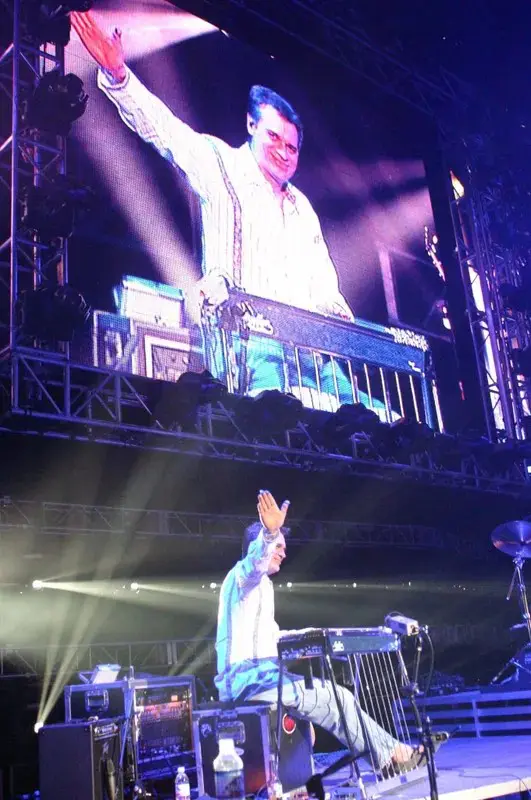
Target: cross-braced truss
point(178, 656)
point(30, 159)
point(70, 519)
point(169, 656)
point(46, 394)
point(487, 319)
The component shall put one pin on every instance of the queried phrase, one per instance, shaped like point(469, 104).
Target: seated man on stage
point(246, 647)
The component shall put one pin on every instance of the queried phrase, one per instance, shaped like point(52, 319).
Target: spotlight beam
point(90, 617)
point(150, 26)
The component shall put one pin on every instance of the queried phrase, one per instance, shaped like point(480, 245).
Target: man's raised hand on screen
point(107, 51)
point(271, 516)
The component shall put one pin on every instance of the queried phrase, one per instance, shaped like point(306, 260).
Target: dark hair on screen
point(263, 96)
point(251, 533)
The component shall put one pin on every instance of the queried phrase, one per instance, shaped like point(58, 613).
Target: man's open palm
point(271, 516)
point(107, 51)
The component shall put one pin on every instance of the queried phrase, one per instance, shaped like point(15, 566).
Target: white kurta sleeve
point(325, 292)
point(152, 120)
point(250, 570)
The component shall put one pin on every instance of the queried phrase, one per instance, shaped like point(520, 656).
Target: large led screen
point(265, 222)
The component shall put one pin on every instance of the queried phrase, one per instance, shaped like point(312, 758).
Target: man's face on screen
point(275, 144)
point(278, 555)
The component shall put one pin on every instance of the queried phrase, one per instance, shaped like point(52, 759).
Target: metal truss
point(29, 159)
point(510, 264)
point(169, 656)
point(470, 633)
point(481, 279)
point(478, 215)
point(71, 519)
point(178, 656)
point(333, 30)
point(44, 393)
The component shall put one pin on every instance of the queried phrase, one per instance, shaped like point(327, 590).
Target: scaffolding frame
point(176, 656)
point(60, 400)
point(478, 268)
point(43, 391)
point(71, 519)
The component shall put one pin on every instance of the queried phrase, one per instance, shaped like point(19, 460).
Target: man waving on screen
point(260, 233)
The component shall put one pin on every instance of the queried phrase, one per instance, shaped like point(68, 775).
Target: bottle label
point(229, 785)
point(275, 790)
point(182, 791)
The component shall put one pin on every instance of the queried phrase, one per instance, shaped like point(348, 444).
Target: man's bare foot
point(403, 752)
point(403, 759)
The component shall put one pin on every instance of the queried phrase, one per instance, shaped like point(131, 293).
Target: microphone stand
point(411, 691)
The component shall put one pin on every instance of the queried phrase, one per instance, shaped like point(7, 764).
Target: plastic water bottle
point(274, 786)
point(228, 772)
point(182, 785)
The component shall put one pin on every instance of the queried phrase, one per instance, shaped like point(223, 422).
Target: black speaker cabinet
point(75, 759)
point(163, 707)
point(253, 727)
point(296, 756)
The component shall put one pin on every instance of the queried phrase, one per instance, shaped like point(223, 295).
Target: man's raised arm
point(255, 564)
point(141, 111)
point(107, 51)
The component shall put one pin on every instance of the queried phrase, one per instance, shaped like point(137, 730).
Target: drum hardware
point(514, 539)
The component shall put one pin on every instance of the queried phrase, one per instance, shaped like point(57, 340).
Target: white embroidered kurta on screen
point(272, 251)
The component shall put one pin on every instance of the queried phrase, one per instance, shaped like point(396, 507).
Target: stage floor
point(469, 769)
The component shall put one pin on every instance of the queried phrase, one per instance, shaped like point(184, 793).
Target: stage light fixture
point(48, 20)
point(55, 103)
point(104, 673)
point(52, 211)
point(134, 587)
point(269, 413)
point(38, 725)
point(457, 186)
point(356, 418)
point(179, 403)
point(411, 435)
point(349, 419)
point(37, 585)
point(502, 457)
point(52, 313)
point(202, 387)
point(438, 310)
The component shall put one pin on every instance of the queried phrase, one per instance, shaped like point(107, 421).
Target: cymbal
point(513, 538)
